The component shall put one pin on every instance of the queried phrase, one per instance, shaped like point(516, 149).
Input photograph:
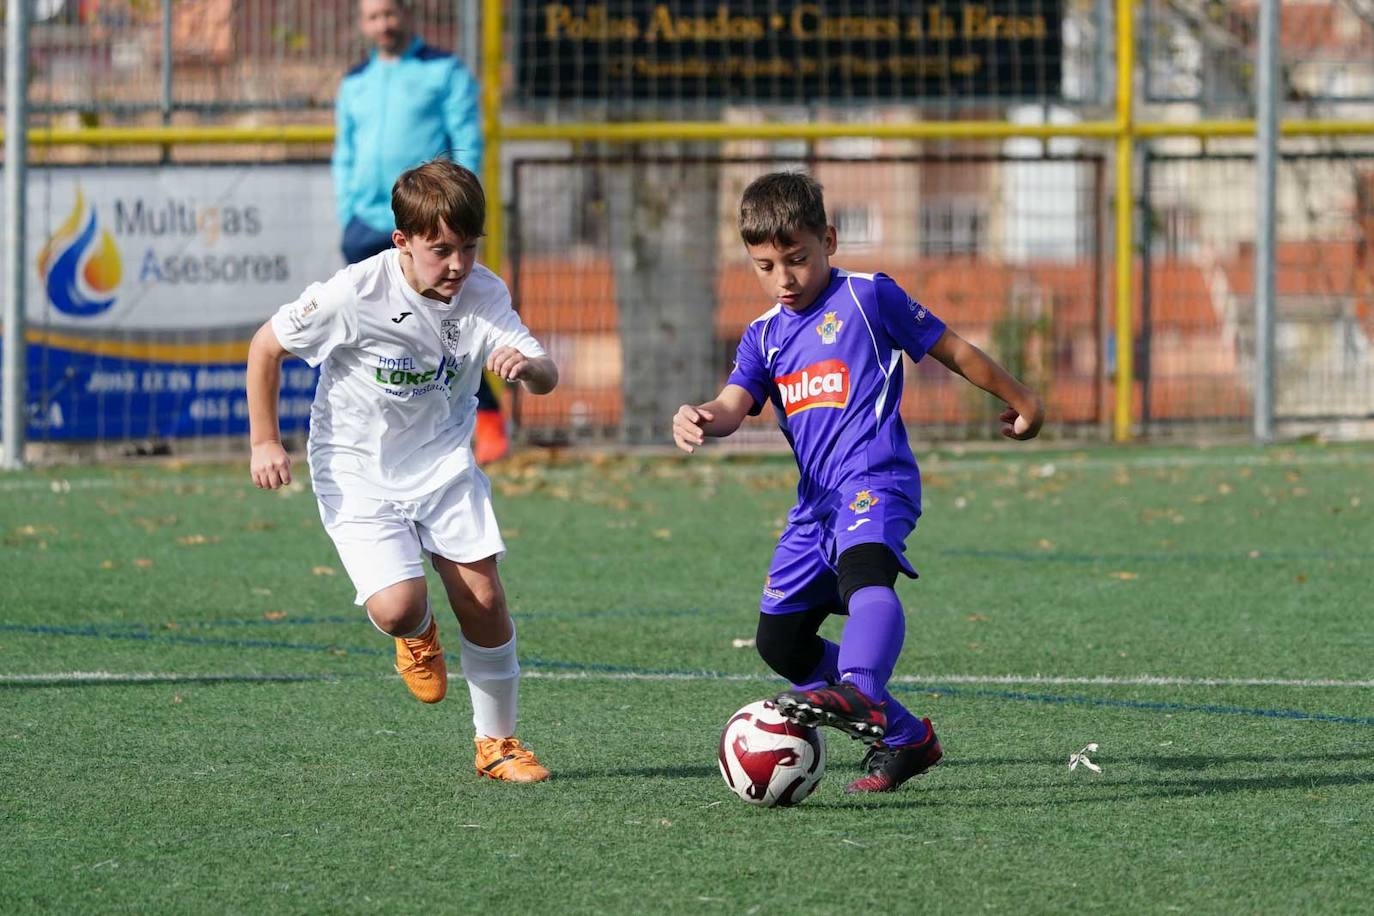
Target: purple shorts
point(803, 573)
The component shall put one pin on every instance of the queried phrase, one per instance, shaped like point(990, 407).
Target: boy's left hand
point(509, 364)
point(1023, 425)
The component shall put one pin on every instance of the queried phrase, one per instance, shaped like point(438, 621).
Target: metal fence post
point(13, 392)
point(1266, 138)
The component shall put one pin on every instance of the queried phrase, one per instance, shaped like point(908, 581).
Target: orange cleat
point(506, 758)
point(420, 663)
point(489, 441)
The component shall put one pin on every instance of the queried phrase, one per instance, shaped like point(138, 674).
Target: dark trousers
point(361, 241)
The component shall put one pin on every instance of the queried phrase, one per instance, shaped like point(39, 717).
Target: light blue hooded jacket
point(391, 115)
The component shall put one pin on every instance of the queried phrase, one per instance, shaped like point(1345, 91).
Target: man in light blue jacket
point(403, 105)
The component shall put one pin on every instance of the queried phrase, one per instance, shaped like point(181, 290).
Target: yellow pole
point(491, 131)
point(1125, 211)
point(630, 132)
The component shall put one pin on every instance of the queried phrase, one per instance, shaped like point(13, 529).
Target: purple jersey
point(834, 376)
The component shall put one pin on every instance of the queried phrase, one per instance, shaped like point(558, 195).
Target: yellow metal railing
point(1123, 129)
point(695, 130)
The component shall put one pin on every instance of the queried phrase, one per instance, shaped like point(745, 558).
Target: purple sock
point(902, 727)
point(827, 670)
point(872, 639)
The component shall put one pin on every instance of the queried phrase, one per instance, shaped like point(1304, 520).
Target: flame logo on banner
point(80, 268)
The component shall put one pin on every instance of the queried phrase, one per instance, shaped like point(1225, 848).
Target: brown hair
point(438, 191)
point(778, 206)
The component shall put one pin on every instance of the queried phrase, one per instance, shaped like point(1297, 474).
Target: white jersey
point(397, 398)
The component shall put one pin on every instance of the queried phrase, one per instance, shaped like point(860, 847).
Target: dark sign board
point(776, 51)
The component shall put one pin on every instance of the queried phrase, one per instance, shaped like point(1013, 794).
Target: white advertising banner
point(175, 248)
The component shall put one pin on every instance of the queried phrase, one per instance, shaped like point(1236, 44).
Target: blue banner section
point(86, 396)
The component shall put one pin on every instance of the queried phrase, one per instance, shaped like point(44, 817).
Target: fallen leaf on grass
point(193, 540)
point(143, 563)
point(1082, 757)
point(322, 570)
point(663, 534)
point(1125, 576)
point(274, 615)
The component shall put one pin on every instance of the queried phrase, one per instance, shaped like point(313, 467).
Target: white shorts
point(382, 542)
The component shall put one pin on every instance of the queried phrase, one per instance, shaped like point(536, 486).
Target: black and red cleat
point(889, 767)
point(842, 706)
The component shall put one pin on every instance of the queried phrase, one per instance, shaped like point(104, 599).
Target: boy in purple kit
point(828, 357)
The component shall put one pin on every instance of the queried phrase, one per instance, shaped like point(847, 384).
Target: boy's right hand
point(270, 466)
point(1023, 425)
point(687, 427)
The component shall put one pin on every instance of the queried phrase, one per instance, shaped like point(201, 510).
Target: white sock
point(493, 677)
point(418, 631)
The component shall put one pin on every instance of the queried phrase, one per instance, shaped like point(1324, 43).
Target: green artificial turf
point(246, 748)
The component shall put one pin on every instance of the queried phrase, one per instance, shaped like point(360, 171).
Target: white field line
point(1004, 680)
point(1012, 462)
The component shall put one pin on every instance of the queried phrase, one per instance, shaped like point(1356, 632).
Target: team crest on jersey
point(863, 501)
point(829, 328)
point(450, 334)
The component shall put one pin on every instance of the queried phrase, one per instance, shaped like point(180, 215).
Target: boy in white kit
point(402, 338)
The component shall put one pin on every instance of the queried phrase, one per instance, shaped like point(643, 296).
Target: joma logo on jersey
point(823, 384)
point(830, 327)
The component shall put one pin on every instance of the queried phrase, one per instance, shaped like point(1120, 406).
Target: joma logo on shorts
point(822, 384)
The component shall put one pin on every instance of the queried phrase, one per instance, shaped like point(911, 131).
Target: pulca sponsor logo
point(822, 384)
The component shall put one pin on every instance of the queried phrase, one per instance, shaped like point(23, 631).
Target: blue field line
point(148, 635)
point(1149, 706)
point(231, 622)
point(348, 619)
point(171, 636)
point(1106, 559)
point(534, 662)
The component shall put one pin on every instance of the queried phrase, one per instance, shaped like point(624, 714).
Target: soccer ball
point(767, 760)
